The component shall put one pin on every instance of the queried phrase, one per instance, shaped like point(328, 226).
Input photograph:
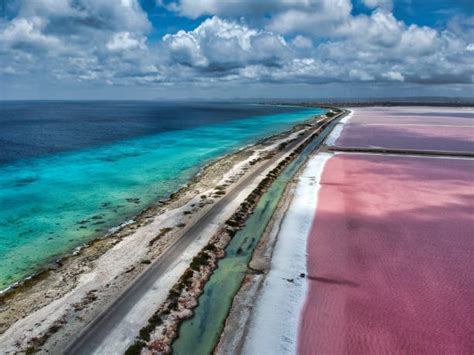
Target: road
point(93, 335)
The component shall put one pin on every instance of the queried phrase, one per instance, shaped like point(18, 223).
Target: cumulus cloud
point(248, 9)
point(79, 39)
point(302, 42)
point(123, 41)
point(26, 33)
point(386, 4)
point(267, 41)
point(394, 75)
point(320, 17)
point(65, 16)
point(219, 45)
point(375, 47)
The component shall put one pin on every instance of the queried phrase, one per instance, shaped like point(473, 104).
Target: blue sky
point(147, 49)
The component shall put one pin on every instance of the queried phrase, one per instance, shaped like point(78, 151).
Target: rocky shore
point(162, 328)
point(43, 312)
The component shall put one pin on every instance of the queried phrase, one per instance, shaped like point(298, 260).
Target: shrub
point(199, 260)
point(135, 348)
point(173, 294)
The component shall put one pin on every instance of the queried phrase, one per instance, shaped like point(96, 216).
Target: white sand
point(274, 323)
point(336, 132)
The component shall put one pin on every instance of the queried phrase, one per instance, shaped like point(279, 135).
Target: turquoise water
point(52, 204)
point(200, 334)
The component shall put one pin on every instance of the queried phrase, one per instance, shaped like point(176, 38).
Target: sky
point(234, 49)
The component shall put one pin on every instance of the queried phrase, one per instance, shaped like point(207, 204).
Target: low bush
point(135, 348)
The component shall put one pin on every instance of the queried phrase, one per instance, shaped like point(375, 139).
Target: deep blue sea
point(69, 171)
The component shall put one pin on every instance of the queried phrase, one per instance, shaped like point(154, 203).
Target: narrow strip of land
point(93, 338)
point(444, 153)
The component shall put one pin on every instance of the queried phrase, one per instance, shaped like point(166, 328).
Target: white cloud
point(302, 42)
point(236, 8)
point(77, 15)
point(318, 18)
point(386, 4)
point(267, 41)
point(394, 75)
point(220, 45)
point(77, 40)
point(27, 33)
point(123, 41)
point(361, 75)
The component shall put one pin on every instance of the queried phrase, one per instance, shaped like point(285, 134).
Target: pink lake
point(391, 258)
point(410, 128)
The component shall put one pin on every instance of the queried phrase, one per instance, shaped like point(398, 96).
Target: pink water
point(410, 128)
point(391, 258)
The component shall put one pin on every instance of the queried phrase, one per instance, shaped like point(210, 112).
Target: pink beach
point(391, 257)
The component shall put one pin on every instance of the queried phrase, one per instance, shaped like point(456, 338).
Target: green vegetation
point(199, 260)
point(135, 348)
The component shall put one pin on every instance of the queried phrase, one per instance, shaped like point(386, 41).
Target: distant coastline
point(383, 101)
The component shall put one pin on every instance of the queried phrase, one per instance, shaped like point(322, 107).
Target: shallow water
point(398, 261)
point(53, 203)
point(200, 334)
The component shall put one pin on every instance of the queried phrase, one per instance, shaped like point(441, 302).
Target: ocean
point(70, 171)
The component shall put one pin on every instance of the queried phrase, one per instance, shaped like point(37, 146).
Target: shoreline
point(49, 259)
point(164, 325)
point(135, 218)
point(227, 167)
